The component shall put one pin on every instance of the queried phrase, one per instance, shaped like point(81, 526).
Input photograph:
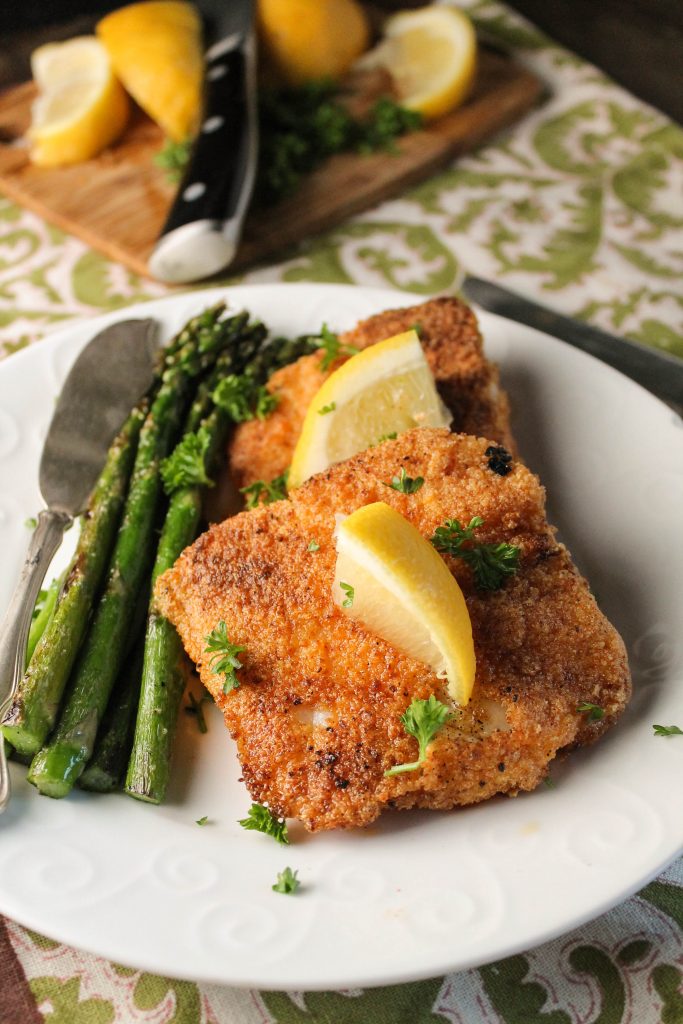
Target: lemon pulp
point(404, 592)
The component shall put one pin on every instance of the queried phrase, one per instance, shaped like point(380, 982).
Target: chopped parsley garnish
point(313, 546)
point(327, 408)
point(173, 157)
point(549, 782)
point(350, 594)
point(224, 660)
point(300, 127)
point(266, 492)
point(243, 399)
point(417, 327)
point(202, 821)
point(593, 711)
point(667, 730)
point(287, 882)
point(406, 484)
point(490, 563)
point(30, 523)
point(195, 708)
point(387, 437)
point(186, 465)
point(422, 719)
point(333, 348)
point(499, 459)
point(261, 819)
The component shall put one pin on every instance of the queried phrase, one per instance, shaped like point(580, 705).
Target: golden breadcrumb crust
point(317, 715)
point(466, 380)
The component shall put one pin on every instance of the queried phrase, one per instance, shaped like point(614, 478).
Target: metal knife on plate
point(655, 370)
point(203, 229)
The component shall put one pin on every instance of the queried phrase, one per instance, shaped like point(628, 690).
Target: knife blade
point(107, 379)
point(203, 229)
point(655, 370)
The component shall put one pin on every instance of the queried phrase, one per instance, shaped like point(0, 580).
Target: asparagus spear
point(43, 614)
point(57, 766)
point(165, 666)
point(105, 770)
point(36, 702)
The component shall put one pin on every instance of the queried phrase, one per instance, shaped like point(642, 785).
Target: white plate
point(419, 893)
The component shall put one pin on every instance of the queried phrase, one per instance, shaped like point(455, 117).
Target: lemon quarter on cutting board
point(81, 108)
point(156, 50)
point(310, 40)
point(385, 389)
point(403, 591)
point(431, 55)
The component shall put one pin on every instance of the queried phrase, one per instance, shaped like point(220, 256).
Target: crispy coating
point(466, 380)
point(317, 715)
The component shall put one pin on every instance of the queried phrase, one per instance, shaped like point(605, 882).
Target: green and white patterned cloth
point(579, 205)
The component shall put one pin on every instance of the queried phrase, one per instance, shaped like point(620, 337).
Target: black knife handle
point(214, 180)
point(204, 226)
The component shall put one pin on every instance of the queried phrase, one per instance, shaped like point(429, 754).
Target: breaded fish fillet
point(466, 380)
point(317, 715)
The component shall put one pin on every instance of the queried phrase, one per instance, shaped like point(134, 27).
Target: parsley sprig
point(667, 730)
point(404, 483)
point(350, 594)
point(173, 157)
point(287, 882)
point(186, 465)
point(262, 819)
point(593, 712)
point(333, 348)
point(224, 660)
point(266, 491)
point(243, 399)
point(422, 719)
point(490, 563)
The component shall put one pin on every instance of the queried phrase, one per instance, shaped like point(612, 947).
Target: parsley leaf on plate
point(667, 730)
point(593, 711)
point(287, 882)
point(261, 819)
point(266, 491)
point(406, 484)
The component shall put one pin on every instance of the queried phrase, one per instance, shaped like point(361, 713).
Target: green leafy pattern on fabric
point(64, 1006)
point(393, 1004)
point(668, 982)
point(151, 992)
point(666, 897)
point(518, 1001)
point(596, 963)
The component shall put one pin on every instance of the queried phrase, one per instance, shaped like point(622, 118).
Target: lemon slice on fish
point(391, 579)
point(385, 389)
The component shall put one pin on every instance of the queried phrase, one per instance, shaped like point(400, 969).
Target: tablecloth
point(578, 205)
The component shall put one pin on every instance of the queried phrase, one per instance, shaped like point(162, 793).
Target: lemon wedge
point(156, 50)
point(81, 108)
point(396, 584)
point(385, 389)
point(431, 55)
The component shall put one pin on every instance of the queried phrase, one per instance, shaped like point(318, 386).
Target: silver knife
point(203, 229)
point(653, 369)
point(108, 378)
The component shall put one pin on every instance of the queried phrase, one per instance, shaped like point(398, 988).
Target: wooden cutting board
point(118, 202)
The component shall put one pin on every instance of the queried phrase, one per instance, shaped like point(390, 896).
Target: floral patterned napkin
point(578, 205)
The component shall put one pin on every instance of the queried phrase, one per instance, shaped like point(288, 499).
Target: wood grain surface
point(118, 202)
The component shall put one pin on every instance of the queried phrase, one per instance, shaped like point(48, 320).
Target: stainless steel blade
point(653, 369)
point(109, 376)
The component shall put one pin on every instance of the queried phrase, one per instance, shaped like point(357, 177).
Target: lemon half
point(431, 55)
point(81, 108)
point(403, 591)
point(385, 389)
point(156, 50)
